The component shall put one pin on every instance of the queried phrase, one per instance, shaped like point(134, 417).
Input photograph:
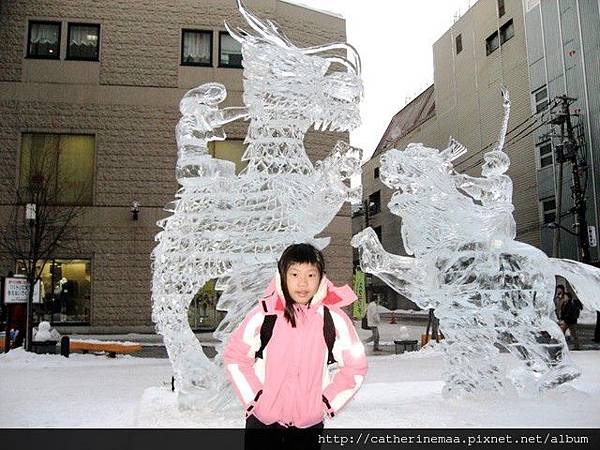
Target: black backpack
point(364, 323)
point(570, 311)
point(266, 332)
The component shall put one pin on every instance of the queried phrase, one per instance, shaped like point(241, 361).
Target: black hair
point(561, 286)
point(297, 254)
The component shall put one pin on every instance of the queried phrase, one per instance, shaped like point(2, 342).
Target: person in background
point(373, 321)
point(569, 313)
point(559, 297)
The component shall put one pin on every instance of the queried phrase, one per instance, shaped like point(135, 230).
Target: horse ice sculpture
point(489, 291)
point(234, 227)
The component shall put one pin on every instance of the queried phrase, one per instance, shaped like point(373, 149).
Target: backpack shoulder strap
point(329, 334)
point(266, 331)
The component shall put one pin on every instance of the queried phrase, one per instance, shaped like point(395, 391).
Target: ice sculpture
point(234, 227)
point(489, 291)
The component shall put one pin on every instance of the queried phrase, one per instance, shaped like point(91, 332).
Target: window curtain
point(76, 169)
point(83, 42)
point(196, 48)
point(62, 164)
point(39, 153)
point(44, 33)
point(44, 39)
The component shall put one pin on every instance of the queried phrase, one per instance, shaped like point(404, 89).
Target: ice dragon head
point(419, 170)
point(319, 86)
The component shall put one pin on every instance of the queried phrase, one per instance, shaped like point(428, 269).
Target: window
point(230, 51)
point(501, 8)
point(545, 154)
point(375, 203)
point(540, 99)
point(61, 165)
point(492, 43)
point(196, 48)
point(231, 150)
point(496, 39)
point(66, 287)
point(458, 42)
point(549, 210)
point(83, 42)
point(376, 172)
point(507, 31)
point(378, 232)
point(43, 40)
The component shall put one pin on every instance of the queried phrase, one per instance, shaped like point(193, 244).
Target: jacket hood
point(327, 294)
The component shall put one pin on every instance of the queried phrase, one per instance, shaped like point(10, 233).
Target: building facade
point(484, 50)
point(563, 37)
point(96, 87)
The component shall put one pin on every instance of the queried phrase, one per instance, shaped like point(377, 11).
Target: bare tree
point(41, 222)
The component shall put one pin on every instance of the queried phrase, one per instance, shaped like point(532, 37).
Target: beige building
point(97, 85)
point(483, 50)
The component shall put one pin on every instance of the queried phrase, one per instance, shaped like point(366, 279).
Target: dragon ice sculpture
point(489, 291)
point(231, 227)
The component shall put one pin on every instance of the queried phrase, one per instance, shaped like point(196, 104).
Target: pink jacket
point(292, 384)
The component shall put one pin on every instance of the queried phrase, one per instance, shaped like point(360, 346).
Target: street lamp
point(30, 217)
point(554, 226)
point(135, 209)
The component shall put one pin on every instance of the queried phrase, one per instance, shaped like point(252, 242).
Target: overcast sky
point(394, 39)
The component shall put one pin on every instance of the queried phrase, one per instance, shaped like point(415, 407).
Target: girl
point(296, 357)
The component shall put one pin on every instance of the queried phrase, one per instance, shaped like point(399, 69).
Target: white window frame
point(537, 102)
point(548, 156)
point(544, 212)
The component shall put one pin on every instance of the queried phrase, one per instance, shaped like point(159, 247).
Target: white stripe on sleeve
point(241, 383)
point(341, 399)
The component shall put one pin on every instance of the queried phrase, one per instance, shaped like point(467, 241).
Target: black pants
point(259, 436)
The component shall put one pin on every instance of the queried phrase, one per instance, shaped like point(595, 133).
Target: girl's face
point(302, 281)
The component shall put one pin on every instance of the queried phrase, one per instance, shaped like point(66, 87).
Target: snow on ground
point(399, 391)
point(587, 317)
point(79, 391)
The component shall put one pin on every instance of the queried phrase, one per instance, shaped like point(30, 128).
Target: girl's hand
point(327, 407)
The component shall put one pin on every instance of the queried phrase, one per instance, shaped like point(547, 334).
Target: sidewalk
point(410, 328)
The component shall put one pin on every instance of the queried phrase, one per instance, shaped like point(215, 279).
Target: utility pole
point(366, 208)
point(366, 204)
point(567, 151)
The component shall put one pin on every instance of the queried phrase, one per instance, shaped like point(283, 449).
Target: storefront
point(65, 296)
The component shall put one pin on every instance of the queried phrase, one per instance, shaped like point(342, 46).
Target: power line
point(537, 116)
point(515, 139)
point(492, 143)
